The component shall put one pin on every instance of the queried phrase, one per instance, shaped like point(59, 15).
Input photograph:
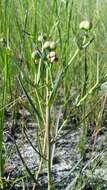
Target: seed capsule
point(104, 88)
point(41, 37)
point(86, 25)
point(52, 45)
point(52, 57)
point(36, 54)
point(46, 45)
point(1, 39)
point(49, 45)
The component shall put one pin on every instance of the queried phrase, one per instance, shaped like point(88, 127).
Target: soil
point(67, 162)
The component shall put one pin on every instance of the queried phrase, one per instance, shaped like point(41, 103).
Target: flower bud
point(86, 25)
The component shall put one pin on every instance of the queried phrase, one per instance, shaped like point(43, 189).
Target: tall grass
point(82, 70)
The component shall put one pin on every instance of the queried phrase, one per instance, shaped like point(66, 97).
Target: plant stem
point(2, 116)
point(85, 102)
point(46, 143)
point(48, 129)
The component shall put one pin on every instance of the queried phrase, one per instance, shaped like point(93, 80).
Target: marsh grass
point(81, 69)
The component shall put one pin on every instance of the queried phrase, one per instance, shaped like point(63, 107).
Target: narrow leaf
point(29, 99)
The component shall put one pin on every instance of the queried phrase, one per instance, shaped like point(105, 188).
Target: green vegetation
point(54, 51)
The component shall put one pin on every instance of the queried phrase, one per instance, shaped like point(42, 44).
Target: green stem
point(2, 117)
point(48, 129)
point(85, 102)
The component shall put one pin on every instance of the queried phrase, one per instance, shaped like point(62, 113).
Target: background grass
point(21, 22)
